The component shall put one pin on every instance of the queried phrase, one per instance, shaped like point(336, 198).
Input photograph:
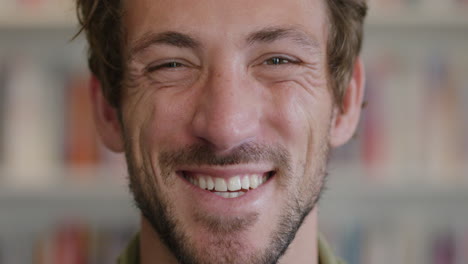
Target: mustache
point(204, 154)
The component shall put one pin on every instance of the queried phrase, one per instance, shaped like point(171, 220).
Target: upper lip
point(228, 171)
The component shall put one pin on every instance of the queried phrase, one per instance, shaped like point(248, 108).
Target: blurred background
point(397, 193)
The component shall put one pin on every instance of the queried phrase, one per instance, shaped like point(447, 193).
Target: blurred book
point(32, 105)
point(400, 242)
point(81, 243)
point(81, 145)
point(3, 82)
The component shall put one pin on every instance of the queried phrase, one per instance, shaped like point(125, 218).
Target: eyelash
point(168, 65)
point(275, 61)
point(279, 60)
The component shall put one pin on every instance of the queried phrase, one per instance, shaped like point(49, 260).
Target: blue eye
point(277, 61)
point(169, 65)
point(172, 64)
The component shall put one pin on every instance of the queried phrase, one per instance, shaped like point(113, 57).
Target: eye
point(278, 61)
point(166, 65)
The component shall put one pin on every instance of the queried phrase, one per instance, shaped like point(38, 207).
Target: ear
point(106, 118)
point(344, 122)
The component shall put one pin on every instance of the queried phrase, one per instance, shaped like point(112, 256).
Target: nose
point(228, 111)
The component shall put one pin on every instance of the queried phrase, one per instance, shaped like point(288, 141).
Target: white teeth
point(234, 184)
point(245, 182)
point(224, 194)
point(254, 182)
point(202, 183)
point(209, 183)
point(220, 185)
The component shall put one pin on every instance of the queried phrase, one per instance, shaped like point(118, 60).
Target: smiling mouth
point(231, 187)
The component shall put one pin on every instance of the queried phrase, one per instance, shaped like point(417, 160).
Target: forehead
point(222, 20)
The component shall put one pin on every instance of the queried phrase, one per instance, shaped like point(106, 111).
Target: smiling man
point(226, 111)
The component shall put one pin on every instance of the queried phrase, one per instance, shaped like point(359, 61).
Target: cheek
point(155, 120)
point(166, 122)
point(302, 121)
point(301, 115)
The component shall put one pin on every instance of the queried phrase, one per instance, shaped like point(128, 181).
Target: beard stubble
point(159, 210)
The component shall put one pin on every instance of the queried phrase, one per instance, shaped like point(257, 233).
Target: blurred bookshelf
point(397, 193)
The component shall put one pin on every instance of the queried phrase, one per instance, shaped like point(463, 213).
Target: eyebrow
point(171, 38)
point(265, 35)
point(272, 34)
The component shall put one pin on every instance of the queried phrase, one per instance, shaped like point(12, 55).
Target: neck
point(302, 250)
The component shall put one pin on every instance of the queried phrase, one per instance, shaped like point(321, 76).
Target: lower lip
point(251, 200)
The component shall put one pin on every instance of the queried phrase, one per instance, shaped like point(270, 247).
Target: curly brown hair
point(101, 20)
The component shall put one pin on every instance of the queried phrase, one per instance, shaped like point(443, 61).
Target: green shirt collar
point(132, 254)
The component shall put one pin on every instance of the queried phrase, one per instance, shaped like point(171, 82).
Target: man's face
point(226, 117)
